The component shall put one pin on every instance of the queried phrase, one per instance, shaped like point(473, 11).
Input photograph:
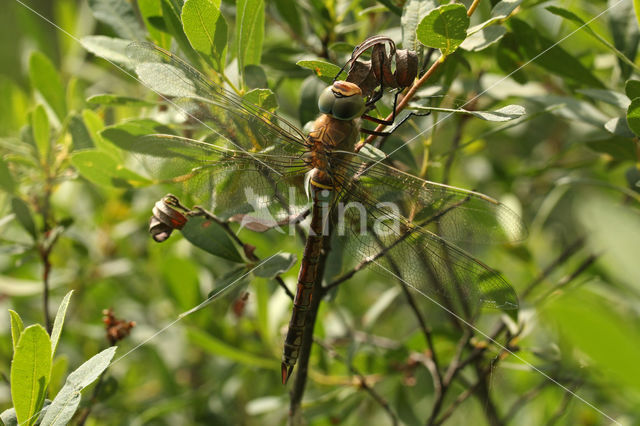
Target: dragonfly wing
point(266, 187)
point(422, 260)
point(242, 124)
point(454, 214)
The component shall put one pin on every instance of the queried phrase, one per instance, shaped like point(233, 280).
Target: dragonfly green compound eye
point(342, 100)
point(326, 101)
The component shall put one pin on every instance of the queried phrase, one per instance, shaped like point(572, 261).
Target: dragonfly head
point(342, 100)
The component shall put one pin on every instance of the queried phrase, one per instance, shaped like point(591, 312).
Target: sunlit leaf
point(324, 70)
point(108, 48)
point(102, 169)
point(30, 370)
point(66, 402)
point(444, 28)
point(249, 32)
point(484, 38)
point(206, 29)
point(45, 78)
point(16, 327)
point(59, 322)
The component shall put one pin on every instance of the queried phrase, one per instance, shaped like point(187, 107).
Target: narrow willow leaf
point(102, 169)
point(17, 326)
point(412, 13)
point(109, 99)
point(249, 32)
point(206, 29)
point(66, 402)
point(288, 10)
point(506, 113)
point(626, 35)
point(59, 322)
point(119, 15)
point(484, 38)
point(108, 48)
point(30, 370)
point(444, 28)
point(276, 265)
point(46, 80)
point(324, 70)
point(210, 237)
point(151, 11)
point(40, 126)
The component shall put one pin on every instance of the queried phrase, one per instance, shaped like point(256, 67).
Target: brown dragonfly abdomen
point(327, 135)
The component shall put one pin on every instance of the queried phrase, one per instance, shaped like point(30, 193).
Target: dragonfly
point(252, 164)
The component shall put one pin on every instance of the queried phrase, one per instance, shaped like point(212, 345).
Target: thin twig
point(362, 380)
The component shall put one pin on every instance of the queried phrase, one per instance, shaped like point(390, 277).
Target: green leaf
point(117, 100)
point(102, 169)
point(151, 11)
point(264, 98)
point(66, 402)
point(255, 77)
point(171, 15)
point(618, 126)
point(412, 13)
point(249, 32)
point(16, 327)
point(46, 80)
point(484, 38)
point(119, 15)
point(58, 373)
point(80, 136)
point(211, 237)
point(6, 180)
point(609, 96)
point(324, 70)
point(23, 214)
point(633, 116)
point(275, 265)
point(632, 88)
point(444, 28)
point(30, 370)
point(506, 113)
point(127, 135)
point(206, 30)
point(108, 48)
point(219, 348)
point(59, 322)
point(40, 126)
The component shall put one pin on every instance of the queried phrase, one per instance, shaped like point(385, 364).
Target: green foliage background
point(570, 166)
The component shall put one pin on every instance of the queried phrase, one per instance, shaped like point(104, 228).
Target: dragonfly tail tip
point(286, 372)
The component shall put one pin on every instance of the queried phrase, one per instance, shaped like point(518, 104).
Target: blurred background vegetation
point(569, 166)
